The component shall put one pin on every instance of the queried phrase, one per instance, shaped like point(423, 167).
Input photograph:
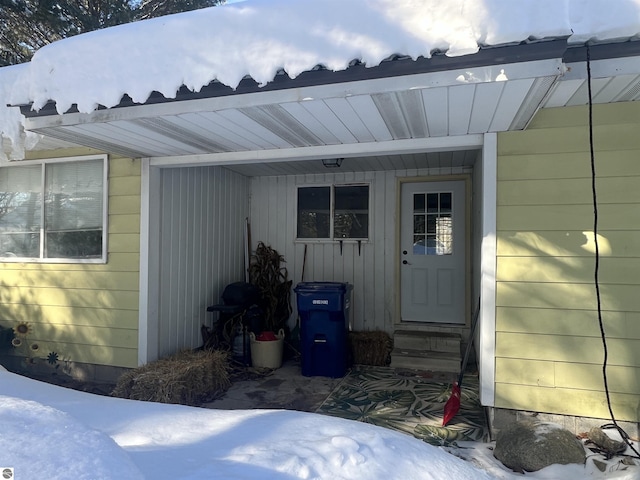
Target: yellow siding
point(84, 312)
point(567, 348)
point(548, 348)
point(555, 321)
point(566, 401)
point(567, 375)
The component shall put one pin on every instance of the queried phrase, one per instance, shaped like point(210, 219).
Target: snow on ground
point(260, 37)
point(57, 433)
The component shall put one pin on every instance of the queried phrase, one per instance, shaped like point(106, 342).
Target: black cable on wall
point(623, 434)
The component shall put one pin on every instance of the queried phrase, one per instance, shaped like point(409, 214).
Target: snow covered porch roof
point(281, 80)
point(322, 113)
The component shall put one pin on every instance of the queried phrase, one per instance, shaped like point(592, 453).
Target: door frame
point(400, 181)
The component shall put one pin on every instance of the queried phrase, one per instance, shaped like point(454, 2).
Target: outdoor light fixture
point(332, 162)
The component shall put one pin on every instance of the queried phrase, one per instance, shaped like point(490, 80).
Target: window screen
point(73, 210)
point(53, 210)
point(20, 211)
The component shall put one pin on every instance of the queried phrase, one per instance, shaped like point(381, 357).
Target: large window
point(337, 212)
point(54, 210)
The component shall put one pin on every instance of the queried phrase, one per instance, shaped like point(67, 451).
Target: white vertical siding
point(372, 272)
point(201, 248)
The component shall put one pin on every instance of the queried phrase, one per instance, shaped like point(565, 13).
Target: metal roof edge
point(394, 67)
point(602, 51)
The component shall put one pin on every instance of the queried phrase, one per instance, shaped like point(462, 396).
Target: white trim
point(391, 147)
point(605, 68)
point(149, 275)
point(483, 74)
point(77, 158)
point(105, 210)
point(43, 214)
point(143, 301)
point(487, 319)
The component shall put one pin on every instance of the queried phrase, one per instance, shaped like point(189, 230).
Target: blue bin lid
point(321, 286)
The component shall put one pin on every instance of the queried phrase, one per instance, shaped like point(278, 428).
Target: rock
point(530, 446)
point(610, 446)
point(601, 465)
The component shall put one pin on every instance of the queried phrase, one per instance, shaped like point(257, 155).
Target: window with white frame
point(333, 212)
point(54, 210)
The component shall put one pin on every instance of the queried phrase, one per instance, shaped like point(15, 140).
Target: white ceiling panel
point(391, 111)
point(413, 112)
point(205, 129)
point(173, 129)
point(513, 94)
point(581, 96)
point(81, 136)
point(562, 92)
point(370, 116)
point(484, 104)
point(111, 133)
point(105, 136)
point(535, 97)
point(214, 122)
point(143, 128)
point(629, 93)
point(460, 104)
point(279, 122)
point(321, 111)
point(347, 115)
point(252, 130)
point(613, 88)
point(436, 106)
point(302, 115)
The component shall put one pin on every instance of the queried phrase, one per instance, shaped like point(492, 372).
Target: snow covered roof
point(259, 38)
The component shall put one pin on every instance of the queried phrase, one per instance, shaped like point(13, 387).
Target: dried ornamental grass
point(371, 348)
point(187, 378)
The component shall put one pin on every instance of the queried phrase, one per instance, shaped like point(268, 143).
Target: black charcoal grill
point(237, 305)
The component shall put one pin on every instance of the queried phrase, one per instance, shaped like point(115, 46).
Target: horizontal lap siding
point(549, 352)
point(84, 312)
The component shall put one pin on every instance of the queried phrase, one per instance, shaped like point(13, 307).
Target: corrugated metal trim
point(397, 66)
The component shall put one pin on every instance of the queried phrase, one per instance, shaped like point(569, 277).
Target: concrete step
point(425, 360)
point(427, 341)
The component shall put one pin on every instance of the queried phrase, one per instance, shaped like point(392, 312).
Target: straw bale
point(371, 348)
point(188, 378)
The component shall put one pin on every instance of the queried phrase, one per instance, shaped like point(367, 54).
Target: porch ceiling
point(393, 122)
point(317, 120)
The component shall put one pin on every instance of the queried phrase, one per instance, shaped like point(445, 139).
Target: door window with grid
point(432, 223)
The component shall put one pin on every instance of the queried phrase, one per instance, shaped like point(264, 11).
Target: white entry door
point(433, 251)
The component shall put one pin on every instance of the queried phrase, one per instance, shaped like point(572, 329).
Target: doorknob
point(404, 252)
point(404, 262)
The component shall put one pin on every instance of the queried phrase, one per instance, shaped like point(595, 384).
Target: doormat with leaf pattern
point(408, 401)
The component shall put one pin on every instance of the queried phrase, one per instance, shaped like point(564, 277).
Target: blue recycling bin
point(324, 327)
